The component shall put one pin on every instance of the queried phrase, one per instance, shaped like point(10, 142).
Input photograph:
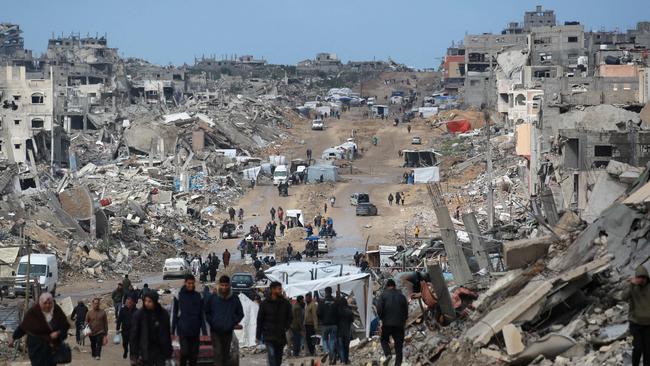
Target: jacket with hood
point(188, 318)
point(297, 317)
point(328, 311)
point(150, 339)
point(223, 313)
point(639, 298)
point(346, 318)
point(273, 320)
point(39, 344)
point(392, 308)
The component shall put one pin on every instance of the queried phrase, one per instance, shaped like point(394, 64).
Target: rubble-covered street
point(504, 193)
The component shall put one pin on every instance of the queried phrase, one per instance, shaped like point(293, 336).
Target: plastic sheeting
point(358, 285)
point(251, 173)
point(461, 125)
point(246, 335)
point(294, 272)
point(426, 175)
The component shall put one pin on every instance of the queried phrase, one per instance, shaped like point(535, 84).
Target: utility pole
point(488, 153)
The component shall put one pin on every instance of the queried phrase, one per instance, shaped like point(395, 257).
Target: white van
point(43, 268)
point(280, 175)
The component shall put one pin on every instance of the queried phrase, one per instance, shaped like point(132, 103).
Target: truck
point(44, 270)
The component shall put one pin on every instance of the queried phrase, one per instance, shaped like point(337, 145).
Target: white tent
point(359, 285)
point(246, 335)
point(251, 173)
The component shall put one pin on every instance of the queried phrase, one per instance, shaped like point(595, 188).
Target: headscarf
point(45, 296)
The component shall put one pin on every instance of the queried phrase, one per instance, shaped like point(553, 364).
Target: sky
point(413, 32)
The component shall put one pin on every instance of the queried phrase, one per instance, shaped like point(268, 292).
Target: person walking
point(311, 323)
point(392, 310)
point(417, 231)
point(390, 199)
point(78, 316)
point(332, 201)
point(231, 213)
point(226, 258)
point(297, 324)
point(408, 128)
point(308, 155)
point(188, 321)
point(213, 269)
point(402, 196)
point(151, 342)
point(273, 321)
point(241, 214)
point(98, 323)
point(328, 316)
point(344, 330)
point(325, 208)
point(124, 321)
point(398, 198)
point(118, 297)
point(126, 284)
point(272, 212)
point(637, 294)
point(46, 327)
point(280, 213)
point(223, 313)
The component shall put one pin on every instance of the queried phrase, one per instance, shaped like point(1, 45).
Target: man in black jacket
point(273, 321)
point(223, 312)
point(79, 316)
point(328, 317)
point(392, 310)
point(151, 342)
point(124, 321)
point(344, 330)
point(188, 321)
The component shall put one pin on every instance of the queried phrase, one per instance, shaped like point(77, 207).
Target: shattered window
point(603, 150)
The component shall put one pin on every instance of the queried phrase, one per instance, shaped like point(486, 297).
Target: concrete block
point(512, 338)
point(521, 253)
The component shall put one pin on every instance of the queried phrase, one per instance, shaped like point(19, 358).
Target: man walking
point(311, 323)
point(188, 321)
point(126, 284)
point(398, 198)
point(328, 317)
point(390, 199)
point(241, 214)
point(118, 296)
point(392, 310)
point(226, 258)
point(223, 313)
point(231, 213)
point(344, 330)
point(78, 316)
point(638, 295)
point(273, 321)
point(417, 231)
point(151, 342)
point(98, 323)
point(297, 324)
point(124, 321)
point(213, 269)
point(272, 212)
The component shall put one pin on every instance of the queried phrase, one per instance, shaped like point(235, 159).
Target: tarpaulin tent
point(460, 125)
point(358, 285)
point(426, 175)
point(246, 335)
point(251, 173)
point(329, 173)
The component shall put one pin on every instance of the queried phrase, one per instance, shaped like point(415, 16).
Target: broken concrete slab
point(77, 202)
point(494, 321)
point(497, 287)
point(162, 197)
point(522, 253)
point(512, 338)
point(605, 192)
point(549, 346)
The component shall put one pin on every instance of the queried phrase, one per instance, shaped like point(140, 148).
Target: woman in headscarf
point(46, 327)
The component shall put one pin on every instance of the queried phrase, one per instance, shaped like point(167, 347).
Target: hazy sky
point(414, 32)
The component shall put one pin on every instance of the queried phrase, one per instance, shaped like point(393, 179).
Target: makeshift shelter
point(329, 173)
point(332, 153)
point(296, 216)
point(251, 173)
point(358, 286)
point(458, 126)
point(419, 158)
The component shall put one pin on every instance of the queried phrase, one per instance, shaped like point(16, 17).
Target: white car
point(322, 246)
point(175, 267)
point(317, 124)
point(416, 140)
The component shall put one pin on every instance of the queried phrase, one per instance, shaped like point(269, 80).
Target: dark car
point(366, 209)
point(206, 351)
point(242, 283)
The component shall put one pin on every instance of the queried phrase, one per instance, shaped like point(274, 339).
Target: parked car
point(175, 267)
point(358, 198)
point(206, 351)
point(317, 124)
point(366, 209)
point(416, 140)
point(242, 283)
point(280, 175)
point(322, 246)
point(43, 269)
